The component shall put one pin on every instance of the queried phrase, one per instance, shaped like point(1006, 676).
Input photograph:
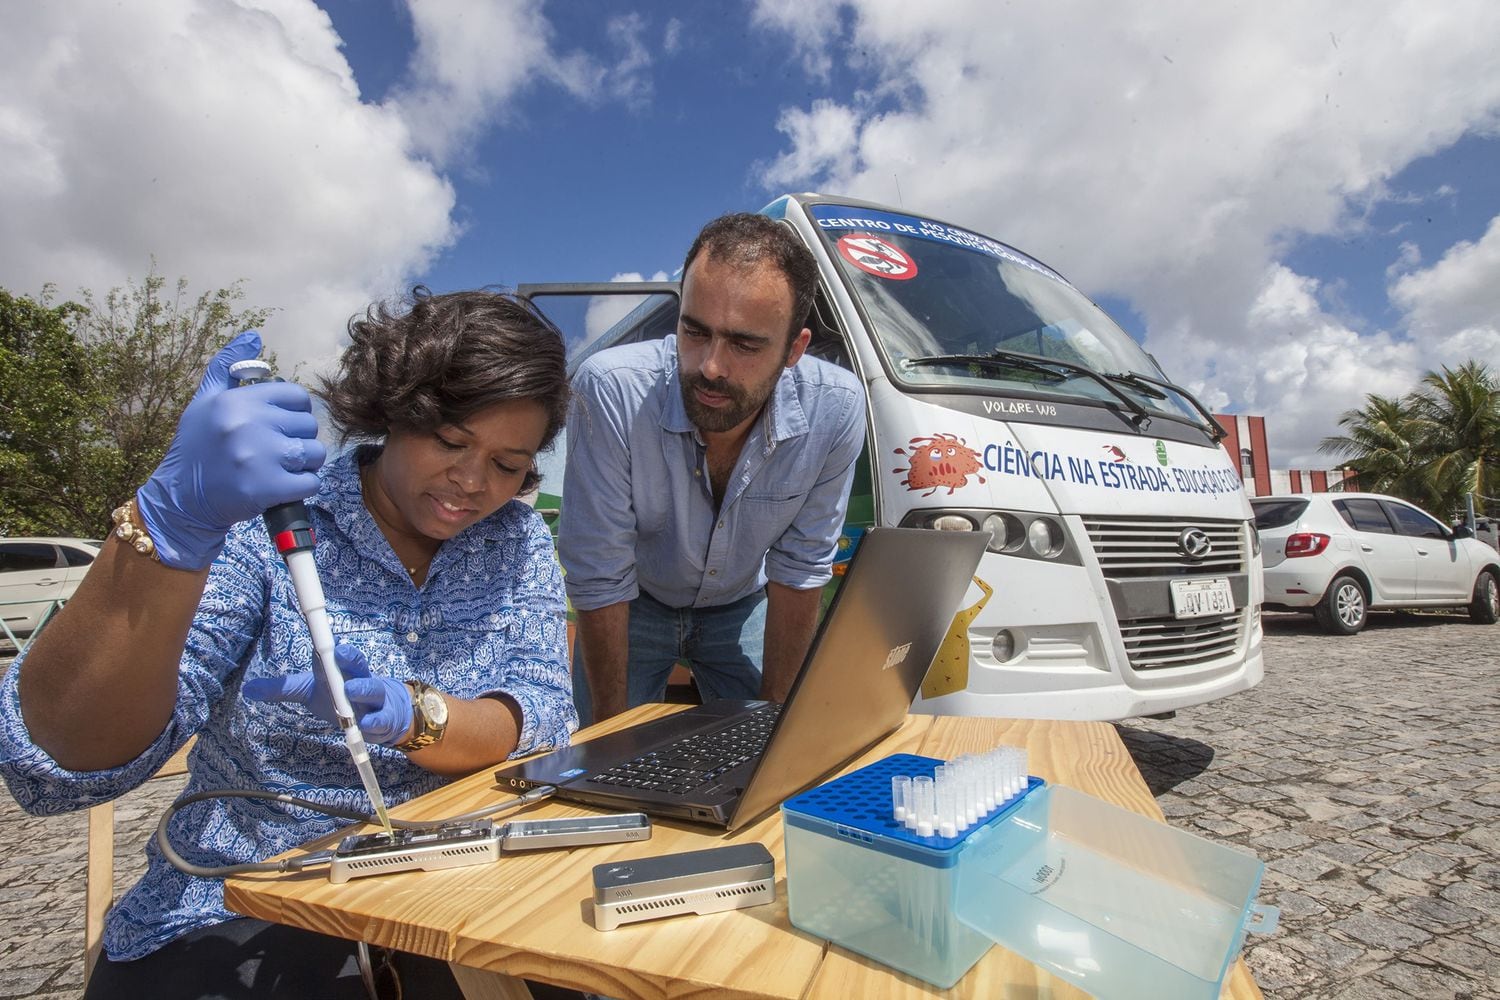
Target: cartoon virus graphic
point(942, 460)
point(1115, 454)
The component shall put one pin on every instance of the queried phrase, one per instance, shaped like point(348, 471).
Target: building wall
point(1246, 448)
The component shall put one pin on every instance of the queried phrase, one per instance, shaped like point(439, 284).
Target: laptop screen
point(866, 664)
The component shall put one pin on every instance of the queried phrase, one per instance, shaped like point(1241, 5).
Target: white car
point(1339, 555)
point(36, 576)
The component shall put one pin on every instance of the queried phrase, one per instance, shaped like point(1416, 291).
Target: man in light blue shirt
point(707, 478)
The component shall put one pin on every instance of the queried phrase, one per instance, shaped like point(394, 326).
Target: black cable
point(297, 864)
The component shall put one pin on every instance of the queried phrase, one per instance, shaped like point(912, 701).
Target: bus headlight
point(1006, 532)
point(1012, 533)
point(1046, 537)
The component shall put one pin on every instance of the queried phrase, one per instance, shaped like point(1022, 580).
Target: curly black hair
point(444, 358)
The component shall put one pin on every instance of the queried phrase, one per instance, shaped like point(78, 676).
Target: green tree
point(1459, 412)
point(46, 399)
point(96, 409)
point(1433, 446)
point(1380, 442)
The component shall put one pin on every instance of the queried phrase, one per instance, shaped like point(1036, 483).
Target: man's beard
point(743, 403)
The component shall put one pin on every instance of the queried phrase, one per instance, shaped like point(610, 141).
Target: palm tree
point(1381, 442)
point(1458, 411)
point(1433, 446)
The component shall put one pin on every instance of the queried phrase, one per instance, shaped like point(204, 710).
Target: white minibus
point(1123, 576)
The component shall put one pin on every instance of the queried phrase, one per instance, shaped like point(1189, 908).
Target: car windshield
point(954, 309)
point(1276, 513)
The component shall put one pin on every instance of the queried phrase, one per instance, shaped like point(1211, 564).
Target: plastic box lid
point(1119, 904)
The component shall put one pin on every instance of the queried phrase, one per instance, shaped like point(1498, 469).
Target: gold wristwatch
point(430, 712)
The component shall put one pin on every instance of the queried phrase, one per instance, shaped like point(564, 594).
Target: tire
point(1485, 608)
point(1344, 609)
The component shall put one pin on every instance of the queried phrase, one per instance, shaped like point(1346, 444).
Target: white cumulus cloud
point(1166, 153)
point(226, 140)
point(474, 56)
point(1453, 307)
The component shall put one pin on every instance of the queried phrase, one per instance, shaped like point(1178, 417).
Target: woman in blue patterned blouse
point(187, 625)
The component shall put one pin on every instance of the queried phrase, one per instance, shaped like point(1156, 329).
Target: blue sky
point(637, 173)
point(1291, 205)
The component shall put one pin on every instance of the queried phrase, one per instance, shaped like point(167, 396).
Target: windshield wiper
point(1146, 383)
point(1036, 362)
point(1137, 382)
point(984, 361)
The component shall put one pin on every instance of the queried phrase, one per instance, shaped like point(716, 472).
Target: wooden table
point(528, 915)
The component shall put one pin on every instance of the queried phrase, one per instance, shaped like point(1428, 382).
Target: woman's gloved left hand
point(382, 706)
point(236, 453)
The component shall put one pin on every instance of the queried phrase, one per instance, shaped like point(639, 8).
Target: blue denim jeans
point(722, 646)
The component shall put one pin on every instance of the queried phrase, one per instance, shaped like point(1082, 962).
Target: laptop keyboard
point(680, 767)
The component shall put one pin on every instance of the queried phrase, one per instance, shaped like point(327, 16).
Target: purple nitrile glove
point(236, 453)
point(382, 706)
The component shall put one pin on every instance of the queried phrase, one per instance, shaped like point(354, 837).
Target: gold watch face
point(434, 708)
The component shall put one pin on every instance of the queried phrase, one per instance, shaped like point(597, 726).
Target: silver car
point(1339, 555)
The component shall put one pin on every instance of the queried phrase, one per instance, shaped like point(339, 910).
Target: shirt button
point(721, 524)
point(713, 572)
point(412, 637)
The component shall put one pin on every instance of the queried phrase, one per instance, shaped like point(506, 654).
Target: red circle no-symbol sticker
point(873, 255)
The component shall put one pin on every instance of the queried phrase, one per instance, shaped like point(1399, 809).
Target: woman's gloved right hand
point(238, 451)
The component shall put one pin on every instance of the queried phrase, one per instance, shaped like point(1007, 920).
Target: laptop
point(726, 763)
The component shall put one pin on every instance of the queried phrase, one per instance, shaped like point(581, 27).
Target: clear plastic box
point(1118, 904)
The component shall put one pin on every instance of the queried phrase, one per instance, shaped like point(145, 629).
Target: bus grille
point(1153, 643)
point(1148, 546)
point(1143, 547)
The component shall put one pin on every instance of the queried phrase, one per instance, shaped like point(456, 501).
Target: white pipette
point(291, 532)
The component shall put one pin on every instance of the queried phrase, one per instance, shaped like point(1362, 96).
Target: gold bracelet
point(130, 530)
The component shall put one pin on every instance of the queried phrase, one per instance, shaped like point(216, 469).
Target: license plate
point(1200, 598)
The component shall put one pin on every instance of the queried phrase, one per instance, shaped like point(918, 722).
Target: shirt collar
point(674, 416)
point(339, 494)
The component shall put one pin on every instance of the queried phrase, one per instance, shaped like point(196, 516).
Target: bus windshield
point(953, 309)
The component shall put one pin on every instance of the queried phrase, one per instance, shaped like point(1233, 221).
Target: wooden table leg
point(481, 984)
point(99, 891)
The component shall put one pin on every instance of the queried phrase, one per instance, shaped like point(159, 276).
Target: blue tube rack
point(857, 877)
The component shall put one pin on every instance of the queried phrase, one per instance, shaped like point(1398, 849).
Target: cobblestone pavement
point(1364, 771)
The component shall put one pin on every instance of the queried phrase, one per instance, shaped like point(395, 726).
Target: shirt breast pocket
point(767, 515)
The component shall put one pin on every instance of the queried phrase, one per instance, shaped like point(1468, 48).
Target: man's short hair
point(746, 238)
